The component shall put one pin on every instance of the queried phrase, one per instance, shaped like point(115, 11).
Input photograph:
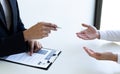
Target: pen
point(58, 27)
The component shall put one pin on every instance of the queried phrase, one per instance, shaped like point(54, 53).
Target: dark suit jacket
point(12, 41)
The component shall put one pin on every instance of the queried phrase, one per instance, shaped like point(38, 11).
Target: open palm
point(89, 33)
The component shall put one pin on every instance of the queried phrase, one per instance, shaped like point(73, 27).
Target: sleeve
point(110, 35)
point(20, 25)
point(118, 58)
point(13, 44)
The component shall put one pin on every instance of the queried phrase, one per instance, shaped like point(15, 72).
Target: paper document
point(41, 59)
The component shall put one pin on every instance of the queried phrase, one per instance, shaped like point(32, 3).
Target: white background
point(110, 19)
point(60, 12)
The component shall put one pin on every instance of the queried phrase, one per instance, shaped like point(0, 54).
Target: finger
point(31, 47)
point(36, 46)
point(89, 51)
point(46, 30)
point(47, 24)
point(89, 26)
point(83, 36)
point(85, 25)
point(51, 26)
point(40, 45)
point(45, 35)
point(98, 54)
point(93, 54)
point(28, 53)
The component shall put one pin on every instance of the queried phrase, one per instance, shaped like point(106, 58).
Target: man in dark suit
point(14, 38)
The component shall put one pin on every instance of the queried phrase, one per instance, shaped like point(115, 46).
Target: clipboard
point(42, 59)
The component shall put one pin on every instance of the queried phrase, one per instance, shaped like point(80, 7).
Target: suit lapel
point(14, 12)
point(2, 16)
point(13, 8)
point(12, 5)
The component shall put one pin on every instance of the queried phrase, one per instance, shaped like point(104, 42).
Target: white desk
point(73, 59)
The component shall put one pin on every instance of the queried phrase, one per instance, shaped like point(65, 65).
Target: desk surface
point(73, 59)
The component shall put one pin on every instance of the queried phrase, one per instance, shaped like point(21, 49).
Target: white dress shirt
point(111, 36)
point(7, 12)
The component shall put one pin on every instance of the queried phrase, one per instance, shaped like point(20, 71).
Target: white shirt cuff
point(118, 60)
point(102, 35)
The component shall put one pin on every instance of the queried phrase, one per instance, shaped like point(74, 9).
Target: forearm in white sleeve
point(118, 60)
point(110, 35)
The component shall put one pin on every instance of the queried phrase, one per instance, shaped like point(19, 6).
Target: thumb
point(85, 25)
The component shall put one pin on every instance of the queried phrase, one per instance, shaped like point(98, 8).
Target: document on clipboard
point(42, 59)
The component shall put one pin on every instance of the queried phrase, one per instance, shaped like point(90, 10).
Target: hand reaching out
point(39, 31)
point(101, 56)
point(89, 33)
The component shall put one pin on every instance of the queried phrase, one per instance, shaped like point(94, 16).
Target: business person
point(14, 38)
point(92, 33)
